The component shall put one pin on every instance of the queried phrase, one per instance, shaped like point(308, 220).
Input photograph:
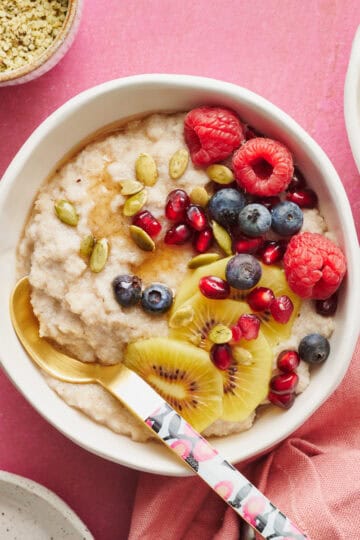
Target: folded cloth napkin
point(313, 476)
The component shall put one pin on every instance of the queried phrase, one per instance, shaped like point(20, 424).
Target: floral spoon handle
point(221, 476)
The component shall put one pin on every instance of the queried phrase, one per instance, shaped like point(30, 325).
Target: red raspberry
point(263, 167)
point(211, 134)
point(314, 265)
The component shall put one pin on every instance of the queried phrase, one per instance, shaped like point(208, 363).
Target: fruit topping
point(287, 218)
point(178, 234)
point(182, 317)
point(66, 212)
point(236, 333)
point(203, 240)
point(212, 134)
point(178, 163)
point(183, 376)
point(248, 245)
point(157, 298)
point(243, 271)
point(284, 383)
point(220, 334)
point(146, 221)
point(141, 238)
point(314, 349)
point(221, 356)
point(284, 401)
point(127, 290)
point(269, 202)
point(146, 170)
point(222, 237)
point(260, 298)
point(297, 181)
point(282, 308)
point(272, 251)
point(214, 287)
point(176, 204)
point(254, 220)
point(220, 174)
point(196, 218)
point(263, 167)
point(327, 307)
point(249, 325)
point(314, 265)
point(288, 361)
point(305, 198)
point(225, 206)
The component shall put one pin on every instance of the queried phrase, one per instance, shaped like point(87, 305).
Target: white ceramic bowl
point(352, 99)
point(112, 101)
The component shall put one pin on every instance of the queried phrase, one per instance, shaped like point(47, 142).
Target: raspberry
point(314, 265)
point(211, 134)
point(263, 167)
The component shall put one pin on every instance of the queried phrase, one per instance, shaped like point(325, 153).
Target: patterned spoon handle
point(221, 476)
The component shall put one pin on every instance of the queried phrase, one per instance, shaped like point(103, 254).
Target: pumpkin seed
point(202, 259)
point(146, 170)
point(220, 174)
point(130, 187)
point(66, 212)
point(182, 317)
point(178, 163)
point(141, 238)
point(135, 203)
point(242, 356)
point(199, 196)
point(220, 334)
point(222, 237)
point(87, 245)
point(99, 255)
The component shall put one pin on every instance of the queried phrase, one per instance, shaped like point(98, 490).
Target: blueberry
point(157, 298)
point(243, 271)
point(225, 206)
point(314, 348)
point(287, 218)
point(127, 290)
point(254, 220)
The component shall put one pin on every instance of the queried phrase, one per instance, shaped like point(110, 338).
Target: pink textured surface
point(293, 53)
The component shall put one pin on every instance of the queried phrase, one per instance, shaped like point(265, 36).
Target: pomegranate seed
point(196, 218)
point(178, 234)
point(305, 198)
point(236, 333)
point(285, 401)
point(221, 356)
point(281, 309)
point(327, 307)
point(288, 361)
point(269, 202)
point(203, 240)
point(214, 287)
point(260, 298)
point(298, 181)
point(284, 383)
point(272, 251)
point(176, 204)
point(147, 222)
point(249, 325)
point(248, 245)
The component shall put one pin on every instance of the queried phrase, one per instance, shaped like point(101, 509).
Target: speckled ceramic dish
point(29, 510)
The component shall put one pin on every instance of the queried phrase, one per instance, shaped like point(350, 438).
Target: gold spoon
point(157, 415)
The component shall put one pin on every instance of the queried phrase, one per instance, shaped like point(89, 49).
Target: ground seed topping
point(27, 29)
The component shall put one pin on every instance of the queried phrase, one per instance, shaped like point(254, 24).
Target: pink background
point(293, 53)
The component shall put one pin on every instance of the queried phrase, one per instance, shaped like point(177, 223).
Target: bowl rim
point(351, 99)
point(29, 67)
point(288, 125)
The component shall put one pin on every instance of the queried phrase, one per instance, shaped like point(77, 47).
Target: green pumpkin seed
point(66, 212)
point(220, 174)
point(130, 187)
point(199, 196)
point(202, 259)
point(178, 163)
point(141, 238)
point(146, 170)
point(220, 334)
point(135, 203)
point(99, 255)
point(242, 356)
point(182, 317)
point(87, 245)
point(222, 237)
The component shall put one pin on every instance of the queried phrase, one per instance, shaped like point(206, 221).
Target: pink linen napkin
point(313, 476)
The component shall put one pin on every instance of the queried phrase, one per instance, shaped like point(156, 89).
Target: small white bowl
point(352, 99)
point(115, 100)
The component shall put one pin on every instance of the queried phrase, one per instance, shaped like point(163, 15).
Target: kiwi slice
point(182, 374)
